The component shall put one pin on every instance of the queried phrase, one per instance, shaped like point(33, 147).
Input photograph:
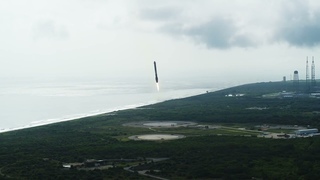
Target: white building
point(303, 132)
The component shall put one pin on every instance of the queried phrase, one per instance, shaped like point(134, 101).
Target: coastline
point(79, 116)
point(76, 117)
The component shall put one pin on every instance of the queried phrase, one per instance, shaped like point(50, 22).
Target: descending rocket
point(156, 74)
point(155, 71)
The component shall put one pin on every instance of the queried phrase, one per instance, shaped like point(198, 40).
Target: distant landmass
point(243, 132)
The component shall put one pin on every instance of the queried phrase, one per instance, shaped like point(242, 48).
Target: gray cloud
point(294, 22)
point(299, 25)
point(218, 33)
point(301, 35)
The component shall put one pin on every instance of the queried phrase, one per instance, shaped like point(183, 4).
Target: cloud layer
point(121, 38)
point(217, 33)
point(294, 23)
point(299, 25)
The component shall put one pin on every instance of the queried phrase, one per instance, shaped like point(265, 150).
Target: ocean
point(33, 102)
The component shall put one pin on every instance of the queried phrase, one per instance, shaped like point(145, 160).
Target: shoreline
point(76, 117)
point(60, 120)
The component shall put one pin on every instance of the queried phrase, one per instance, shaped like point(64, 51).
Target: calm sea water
point(28, 103)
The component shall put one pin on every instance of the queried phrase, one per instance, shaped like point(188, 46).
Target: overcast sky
point(246, 41)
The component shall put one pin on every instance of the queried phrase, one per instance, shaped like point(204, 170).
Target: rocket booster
point(155, 71)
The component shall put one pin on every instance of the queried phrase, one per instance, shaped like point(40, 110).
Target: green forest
point(40, 152)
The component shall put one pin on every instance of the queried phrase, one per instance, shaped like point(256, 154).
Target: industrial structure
point(296, 79)
point(313, 74)
point(296, 76)
point(307, 75)
point(310, 84)
point(306, 132)
point(303, 87)
point(284, 79)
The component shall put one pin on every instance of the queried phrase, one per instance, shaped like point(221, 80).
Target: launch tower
point(313, 74)
point(307, 75)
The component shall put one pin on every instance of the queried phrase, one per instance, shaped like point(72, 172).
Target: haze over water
point(26, 103)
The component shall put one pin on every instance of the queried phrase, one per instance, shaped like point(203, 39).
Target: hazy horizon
point(251, 41)
point(34, 102)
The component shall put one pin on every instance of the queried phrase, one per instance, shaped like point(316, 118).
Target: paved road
point(144, 172)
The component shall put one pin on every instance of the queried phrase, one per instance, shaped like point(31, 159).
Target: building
point(296, 80)
point(296, 76)
point(304, 132)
